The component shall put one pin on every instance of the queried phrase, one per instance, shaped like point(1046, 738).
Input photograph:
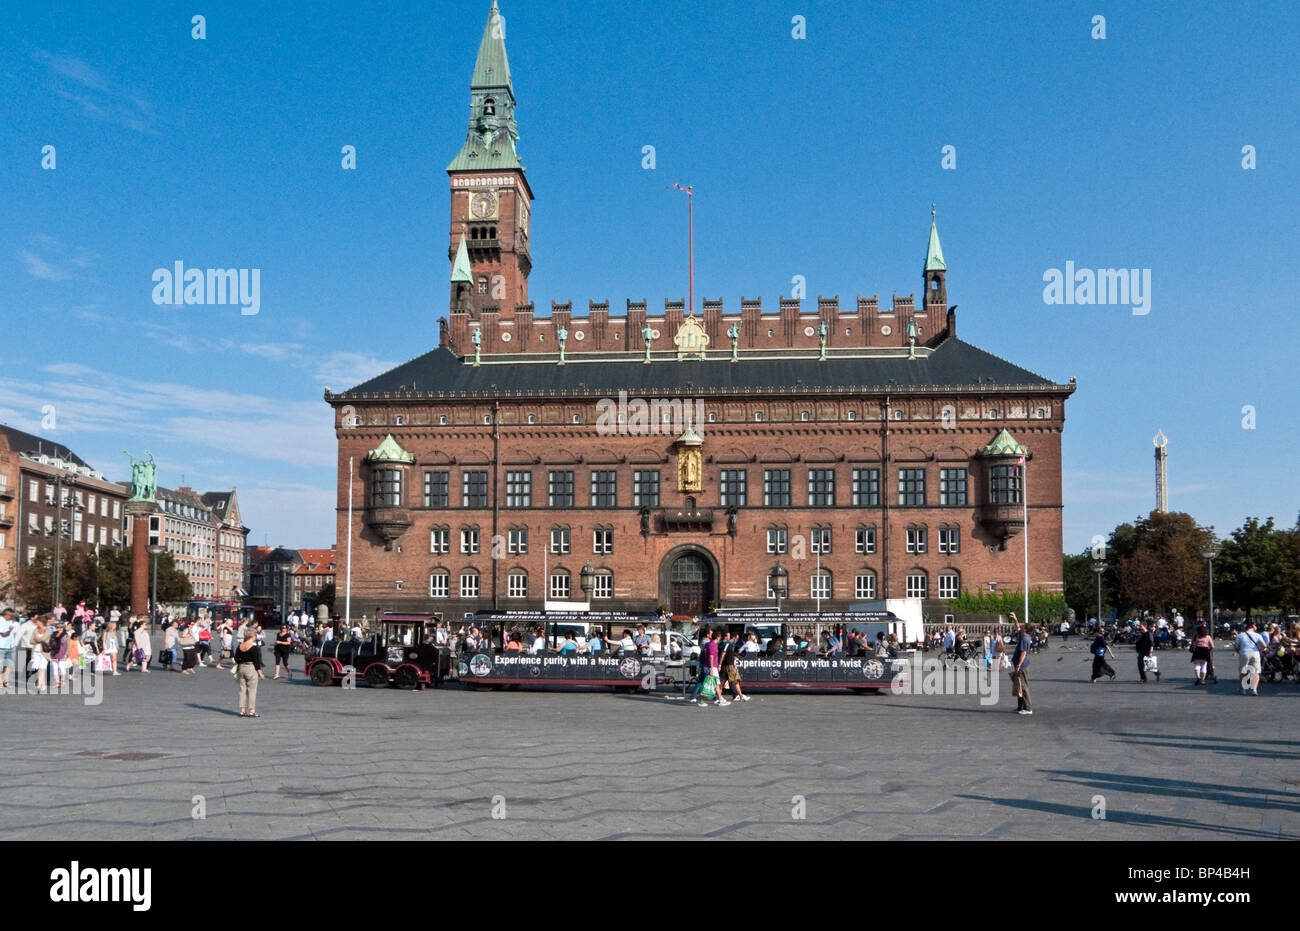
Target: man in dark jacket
point(1145, 647)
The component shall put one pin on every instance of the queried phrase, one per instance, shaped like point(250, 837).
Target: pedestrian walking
point(730, 675)
point(1146, 646)
point(1100, 650)
point(283, 650)
point(167, 658)
point(109, 648)
point(248, 667)
point(1020, 667)
point(8, 643)
point(205, 641)
point(189, 644)
point(40, 661)
point(1202, 653)
point(142, 646)
point(1247, 646)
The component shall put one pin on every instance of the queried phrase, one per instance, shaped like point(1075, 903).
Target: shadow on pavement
point(1130, 817)
point(1246, 797)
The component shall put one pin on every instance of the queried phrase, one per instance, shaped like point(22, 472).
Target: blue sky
point(816, 157)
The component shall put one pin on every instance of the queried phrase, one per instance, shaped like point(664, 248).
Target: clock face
point(483, 205)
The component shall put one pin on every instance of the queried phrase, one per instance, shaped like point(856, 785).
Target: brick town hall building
point(866, 448)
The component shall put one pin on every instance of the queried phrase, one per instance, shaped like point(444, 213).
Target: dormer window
point(489, 107)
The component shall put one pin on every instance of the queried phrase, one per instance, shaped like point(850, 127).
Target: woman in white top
point(111, 645)
point(170, 636)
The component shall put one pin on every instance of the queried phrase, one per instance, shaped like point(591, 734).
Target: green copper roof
point(1004, 444)
point(934, 255)
point(460, 267)
point(389, 451)
point(490, 143)
point(492, 69)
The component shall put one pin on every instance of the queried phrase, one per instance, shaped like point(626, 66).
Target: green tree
point(1081, 585)
point(1044, 607)
point(1164, 569)
point(325, 596)
point(1248, 573)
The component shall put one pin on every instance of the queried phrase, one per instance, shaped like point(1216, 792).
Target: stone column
point(139, 512)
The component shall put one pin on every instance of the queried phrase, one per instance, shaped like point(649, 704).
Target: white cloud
point(97, 96)
point(51, 260)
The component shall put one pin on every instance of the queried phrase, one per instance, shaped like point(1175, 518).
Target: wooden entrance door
point(690, 583)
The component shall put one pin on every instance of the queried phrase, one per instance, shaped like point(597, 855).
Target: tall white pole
point(347, 598)
point(1024, 500)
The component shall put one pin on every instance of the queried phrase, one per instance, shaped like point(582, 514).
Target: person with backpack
point(1248, 646)
point(1099, 650)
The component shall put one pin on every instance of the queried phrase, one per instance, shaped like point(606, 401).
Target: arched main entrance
point(688, 581)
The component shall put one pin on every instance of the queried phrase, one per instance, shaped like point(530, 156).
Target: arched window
point(602, 584)
point(820, 589)
point(482, 286)
point(469, 583)
point(949, 583)
point(864, 585)
point(918, 584)
point(439, 583)
point(517, 584)
point(561, 588)
point(489, 107)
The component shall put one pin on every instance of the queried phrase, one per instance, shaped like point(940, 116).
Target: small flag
point(1020, 461)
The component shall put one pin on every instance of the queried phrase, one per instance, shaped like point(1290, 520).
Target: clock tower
point(491, 201)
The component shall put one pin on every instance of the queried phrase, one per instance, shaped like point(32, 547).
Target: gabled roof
point(217, 501)
point(934, 253)
point(952, 364)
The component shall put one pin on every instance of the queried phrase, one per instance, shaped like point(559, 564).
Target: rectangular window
point(90, 503)
point(437, 492)
point(519, 489)
point(916, 539)
point(103, 536)
point(821, 540)
point(32, 490)
point(821, 488)
point(439, 540)
point(918, 586)
point(866, 488)
point(560, 587)
point(949, 585)
point(952, 488)
point(559, 489)
point(776, 539)
point(117, 510)
point(731, 490)
point(474, 493)
point(911, 488)
point(517, 587)
point(602, 585)
point(103, 507)
point(864, 587)
point(949, 542)
point(386, 488)
point(604, 489)
point(864, 540)
point(1004, 484)
point(517, 541)
point(469, 585)
point(602, 541)
point(776, 488)
point(560, 540)
point(469, 540)
point(645, 489)
point(31, 555)
point(821, 586)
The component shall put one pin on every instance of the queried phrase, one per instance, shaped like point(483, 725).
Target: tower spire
point(936, 269)
point(490, 142)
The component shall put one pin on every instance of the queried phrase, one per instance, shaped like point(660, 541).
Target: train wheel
point(377, 677)
point(407, 678)
point(321, 674)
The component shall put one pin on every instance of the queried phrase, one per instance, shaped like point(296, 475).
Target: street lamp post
point(1210, 554)
point(1100, 569)
point(154, 551)
point(779, 581)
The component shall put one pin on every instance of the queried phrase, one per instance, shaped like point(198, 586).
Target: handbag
point(710, 687)
point(140, 655)
point(103, 663)
point(1006, 661)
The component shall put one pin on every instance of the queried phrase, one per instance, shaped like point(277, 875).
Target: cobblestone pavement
point(1169, 760)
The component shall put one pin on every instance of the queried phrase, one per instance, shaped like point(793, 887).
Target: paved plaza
point(1171, 762)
